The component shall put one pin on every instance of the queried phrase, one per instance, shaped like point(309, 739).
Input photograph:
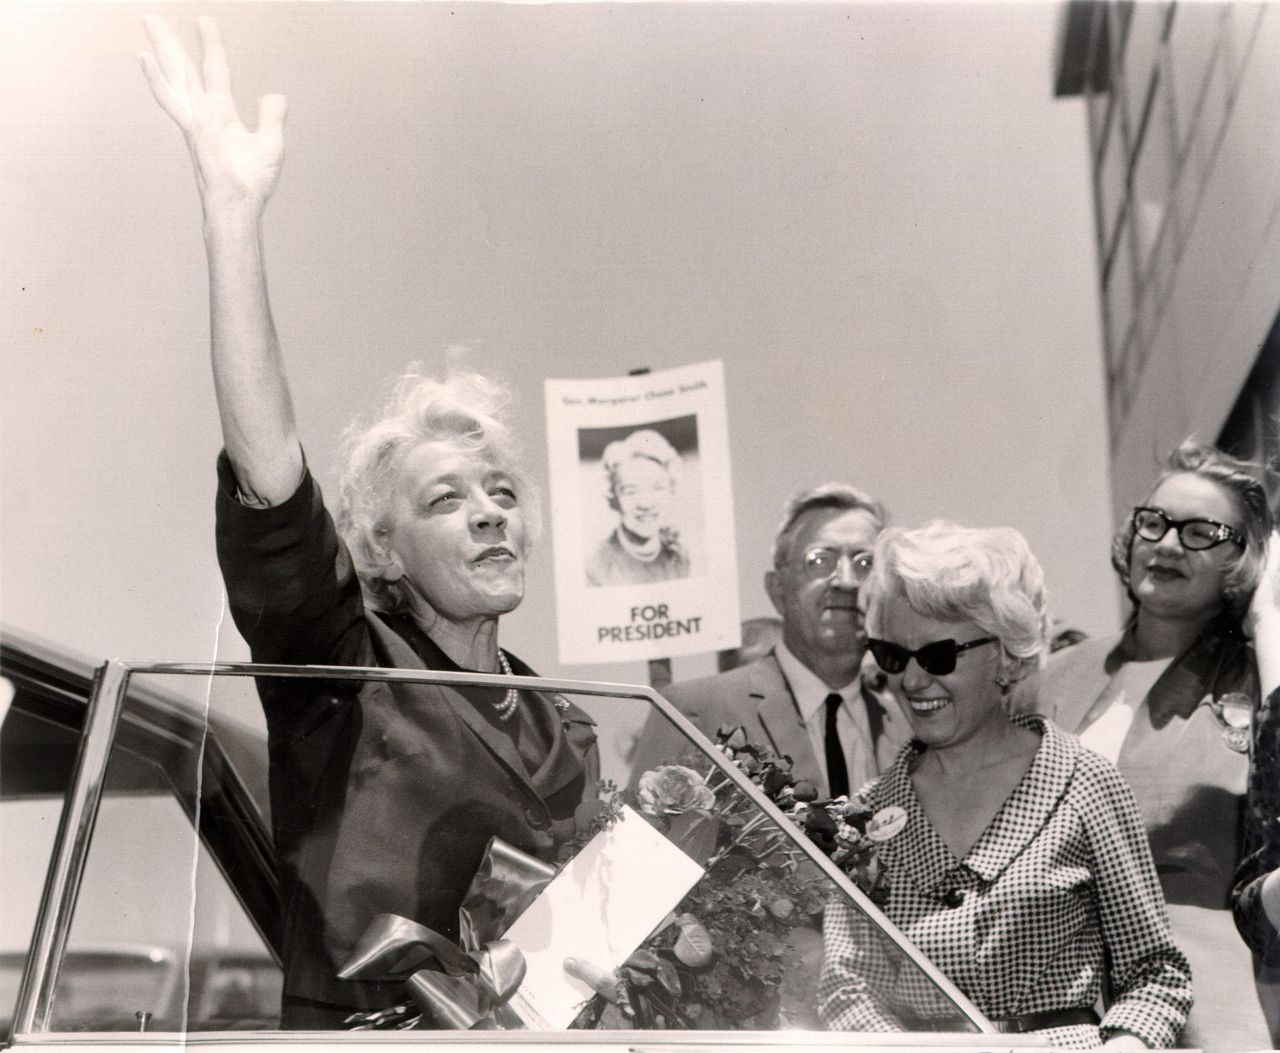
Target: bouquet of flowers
point(740, 951)
point(742, 948)
point(844, 827)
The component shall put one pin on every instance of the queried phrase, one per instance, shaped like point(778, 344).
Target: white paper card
point(599, 908)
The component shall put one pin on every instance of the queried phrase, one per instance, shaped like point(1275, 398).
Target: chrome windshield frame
point(70, 849)
point(84, 795)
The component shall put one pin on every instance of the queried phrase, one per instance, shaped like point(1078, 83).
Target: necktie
point(837, 773)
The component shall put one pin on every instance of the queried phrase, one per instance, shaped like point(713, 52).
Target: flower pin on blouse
point(1234, 710)
point(886, 823)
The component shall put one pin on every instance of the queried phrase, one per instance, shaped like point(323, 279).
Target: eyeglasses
point(936, 659)
point(1151, 524)
point(819, 563)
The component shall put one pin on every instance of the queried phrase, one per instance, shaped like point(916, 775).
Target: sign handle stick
point(659, 673)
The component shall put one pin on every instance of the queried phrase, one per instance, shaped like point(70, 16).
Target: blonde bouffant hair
point(985, 576)
point(464, 410)
point(645, 444)
point(1243, 481)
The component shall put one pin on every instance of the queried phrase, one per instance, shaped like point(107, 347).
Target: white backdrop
point(875, 215)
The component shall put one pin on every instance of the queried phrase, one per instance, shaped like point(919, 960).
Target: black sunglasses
point(1152, 524)
point(936, 659)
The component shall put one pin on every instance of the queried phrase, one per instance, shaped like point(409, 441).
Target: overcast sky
point(876, 216)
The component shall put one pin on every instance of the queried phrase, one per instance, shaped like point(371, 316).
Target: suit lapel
point(498, 744)
point(889, 729)
point(1074, 680)
point(397, 654)
point(780, 717)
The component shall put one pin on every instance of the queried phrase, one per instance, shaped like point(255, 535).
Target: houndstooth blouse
point(1061, 880)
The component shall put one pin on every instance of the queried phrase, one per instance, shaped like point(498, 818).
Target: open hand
point(234, 166)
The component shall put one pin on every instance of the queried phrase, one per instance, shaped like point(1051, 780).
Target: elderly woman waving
point(384, 795)
point(1023, 869)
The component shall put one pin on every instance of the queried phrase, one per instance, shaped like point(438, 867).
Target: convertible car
point(142, 911)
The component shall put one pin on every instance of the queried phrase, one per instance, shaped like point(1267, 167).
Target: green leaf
point(696, 833)
point(669, 977)
point(781, 907)
point(614, 1019)
point(694, 946)
point(635, 977)
point(643, 959)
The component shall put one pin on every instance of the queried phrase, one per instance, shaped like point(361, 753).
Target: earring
point(1003, 680)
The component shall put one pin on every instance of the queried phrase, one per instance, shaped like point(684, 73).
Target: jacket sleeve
point(292, 588)
point(1150, 977)
point(851, 974)
point(1262, 834)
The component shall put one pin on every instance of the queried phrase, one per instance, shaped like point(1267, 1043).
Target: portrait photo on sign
point(645, 523)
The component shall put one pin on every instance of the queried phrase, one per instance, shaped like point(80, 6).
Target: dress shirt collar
point(807, 688)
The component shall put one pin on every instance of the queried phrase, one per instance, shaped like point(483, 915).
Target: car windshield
point(687, 892)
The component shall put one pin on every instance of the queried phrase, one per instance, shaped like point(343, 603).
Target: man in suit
point(807, 698)
point(759, 637)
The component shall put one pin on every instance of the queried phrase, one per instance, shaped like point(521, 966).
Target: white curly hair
point(464, 410)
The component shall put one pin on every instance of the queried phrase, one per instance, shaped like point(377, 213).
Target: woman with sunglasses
point(1168, 701)
point(1022, 870)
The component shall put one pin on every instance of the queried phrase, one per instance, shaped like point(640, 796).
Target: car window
point(684, 894)
point(159, 939)
point(36, 757)
point(158, 931)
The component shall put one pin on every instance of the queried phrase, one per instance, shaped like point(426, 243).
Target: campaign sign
point(642, 515)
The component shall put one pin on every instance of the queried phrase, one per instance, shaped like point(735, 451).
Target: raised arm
point(236, 172)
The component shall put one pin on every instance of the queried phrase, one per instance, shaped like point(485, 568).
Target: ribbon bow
point(461, 987)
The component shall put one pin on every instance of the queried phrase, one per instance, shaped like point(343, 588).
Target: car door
point(694, 903)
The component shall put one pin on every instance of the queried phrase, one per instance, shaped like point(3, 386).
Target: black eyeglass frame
point(893, 658)
point(1222, 531)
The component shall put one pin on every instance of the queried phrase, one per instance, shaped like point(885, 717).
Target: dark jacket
point(383, 796)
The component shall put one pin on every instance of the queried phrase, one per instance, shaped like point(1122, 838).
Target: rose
point(856, 808)
point(821, 828)
point(819, 821)
point(848, 835)
point(672, 790)
point(804, 791)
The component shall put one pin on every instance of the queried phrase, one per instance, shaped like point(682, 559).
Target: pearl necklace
point(646, 552)
point(511, 699)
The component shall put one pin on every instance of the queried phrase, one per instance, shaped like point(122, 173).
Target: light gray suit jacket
point(757, 698)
